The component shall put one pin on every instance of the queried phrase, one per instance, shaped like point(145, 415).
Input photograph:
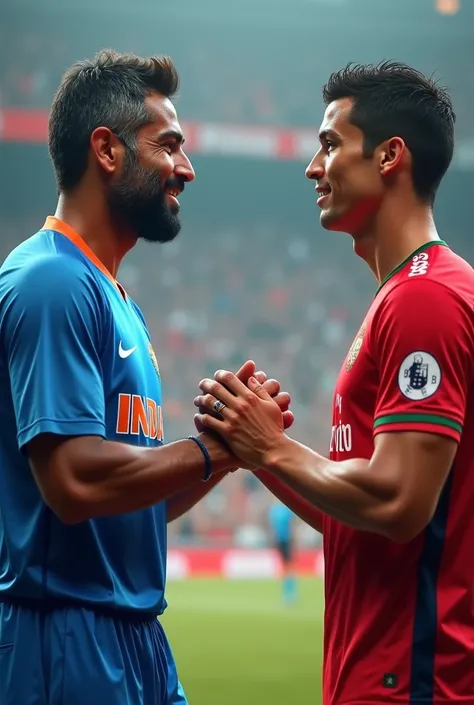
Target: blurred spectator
point(205, 311)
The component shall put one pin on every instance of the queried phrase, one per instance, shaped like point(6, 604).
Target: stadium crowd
point(208, 305)
point(262, 89)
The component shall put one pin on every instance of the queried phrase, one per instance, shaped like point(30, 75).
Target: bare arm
point(85, 476)
point(180, 503)
point(300, 506)
point(394, 494)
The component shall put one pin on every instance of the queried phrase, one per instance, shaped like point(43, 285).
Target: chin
point(331, 222)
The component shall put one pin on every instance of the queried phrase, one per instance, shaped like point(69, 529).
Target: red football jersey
point(399, 621)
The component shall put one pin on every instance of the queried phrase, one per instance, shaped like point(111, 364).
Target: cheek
point(161, 164)
point(336, 167)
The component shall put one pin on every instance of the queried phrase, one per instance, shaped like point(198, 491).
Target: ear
point(107, 149)
point(392, 155)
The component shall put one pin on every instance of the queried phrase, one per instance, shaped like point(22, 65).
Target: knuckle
point(226, 376)
point(250, 401)
point(233, 418)
point(214, 388)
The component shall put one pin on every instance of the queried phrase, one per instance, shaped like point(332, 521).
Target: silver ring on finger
point(218, 406)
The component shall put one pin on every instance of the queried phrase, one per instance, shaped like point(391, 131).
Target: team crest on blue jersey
point(354, 350)
point(419, 376)
point(154, 360)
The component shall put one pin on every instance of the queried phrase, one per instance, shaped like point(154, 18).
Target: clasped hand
point(254, 417)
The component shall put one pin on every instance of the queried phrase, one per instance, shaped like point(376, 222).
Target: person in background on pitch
point(86, 482)
point(394, 500)
point(281, 521)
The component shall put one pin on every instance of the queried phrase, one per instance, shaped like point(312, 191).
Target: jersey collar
point(59, 226)
point(423, 247)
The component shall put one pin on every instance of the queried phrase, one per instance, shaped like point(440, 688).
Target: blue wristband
point(207, 458)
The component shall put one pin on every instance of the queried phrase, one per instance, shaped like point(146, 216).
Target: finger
point(230, 381)
point(205, 404)
point(246, 371)
point(283, 400)
point(206, 421)
point(217, 390)
point(258, 389)
point(205, 410)
point(288, 419)
point(199, 426)
point(271, 386)
point(260, 377)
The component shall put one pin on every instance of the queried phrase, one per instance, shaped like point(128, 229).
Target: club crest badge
point(419, 376)
point(355, 348)
point(154, 360)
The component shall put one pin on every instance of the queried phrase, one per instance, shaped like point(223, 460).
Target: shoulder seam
point(431, 281)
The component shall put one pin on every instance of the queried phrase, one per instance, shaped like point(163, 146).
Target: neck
point(91, 220)
point(394, 234)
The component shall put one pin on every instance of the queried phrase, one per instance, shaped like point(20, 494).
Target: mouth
point(323, 194)
point(172, 196)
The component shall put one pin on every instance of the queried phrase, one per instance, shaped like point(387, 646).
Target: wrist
point(221, 458)
point(279, 456)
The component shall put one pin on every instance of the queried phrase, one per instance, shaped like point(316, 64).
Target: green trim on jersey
point(418, 418)
point(405, 261)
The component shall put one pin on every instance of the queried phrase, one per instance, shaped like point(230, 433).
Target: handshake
point(242, 417)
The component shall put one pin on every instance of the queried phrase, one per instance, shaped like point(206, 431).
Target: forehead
point(337, 118)
point(163, 117)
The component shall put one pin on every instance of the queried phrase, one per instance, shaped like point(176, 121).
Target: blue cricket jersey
point(75, 359)
point(280, 519)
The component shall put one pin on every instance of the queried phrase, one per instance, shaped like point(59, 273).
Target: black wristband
point(207, 458)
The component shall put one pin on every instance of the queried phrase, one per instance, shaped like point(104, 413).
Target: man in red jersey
point(395, 500)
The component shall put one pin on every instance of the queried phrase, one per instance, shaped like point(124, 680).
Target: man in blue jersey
point(86, 484)
point(281, 521)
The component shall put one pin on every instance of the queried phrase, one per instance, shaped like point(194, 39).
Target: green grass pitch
point(237, 644)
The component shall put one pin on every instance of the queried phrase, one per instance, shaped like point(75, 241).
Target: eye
point(170, 146)
point(330, 145)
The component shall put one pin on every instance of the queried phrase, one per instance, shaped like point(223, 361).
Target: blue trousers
point(73, 656)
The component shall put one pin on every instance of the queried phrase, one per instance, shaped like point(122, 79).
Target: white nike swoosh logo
point(126, 353)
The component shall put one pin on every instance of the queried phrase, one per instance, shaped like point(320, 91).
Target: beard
point(139, 201)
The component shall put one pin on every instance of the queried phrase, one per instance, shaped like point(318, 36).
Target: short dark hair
point(392, 99)
point(108, 90)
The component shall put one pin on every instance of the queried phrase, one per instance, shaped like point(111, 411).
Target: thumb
point(247, 369)
point(258, 389)
point(288, 419)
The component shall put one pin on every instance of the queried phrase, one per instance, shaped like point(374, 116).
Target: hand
point(271, 386)
point(251, 422)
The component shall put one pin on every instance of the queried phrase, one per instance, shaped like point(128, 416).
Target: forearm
point(92, 477)
point(347, 490)
point(180, 503)
point(298, 504)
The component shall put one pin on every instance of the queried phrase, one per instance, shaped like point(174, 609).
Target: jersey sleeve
point(423, 344)
point(51, 332)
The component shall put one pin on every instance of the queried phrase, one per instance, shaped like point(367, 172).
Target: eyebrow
point(324, 134)
point(172, 134)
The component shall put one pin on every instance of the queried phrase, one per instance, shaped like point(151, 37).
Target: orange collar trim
point(63, 228)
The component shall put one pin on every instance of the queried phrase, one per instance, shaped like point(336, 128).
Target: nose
point(183, 168)
point(315, 169)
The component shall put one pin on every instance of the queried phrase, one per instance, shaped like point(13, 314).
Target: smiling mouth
point(323, 193)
